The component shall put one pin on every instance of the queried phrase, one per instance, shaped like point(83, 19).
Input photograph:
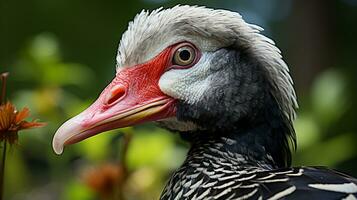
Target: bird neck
point(240, 148)
point(265, 136)
point(246, 109)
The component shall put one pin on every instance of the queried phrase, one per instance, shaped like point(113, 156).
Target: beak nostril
point(116, 93)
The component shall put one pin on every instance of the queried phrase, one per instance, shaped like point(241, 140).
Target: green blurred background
point(61, 54)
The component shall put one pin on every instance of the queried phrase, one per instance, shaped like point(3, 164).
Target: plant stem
point(126, 141)
point(3, 159)
point(119, 194)
point(2, 170)
point(3, 87)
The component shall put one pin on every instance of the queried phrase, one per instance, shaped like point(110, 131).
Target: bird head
point(190, 69)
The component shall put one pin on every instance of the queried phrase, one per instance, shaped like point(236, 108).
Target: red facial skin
point(133, 97)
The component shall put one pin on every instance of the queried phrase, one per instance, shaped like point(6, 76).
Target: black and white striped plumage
point(212, 172)
point(234, 103)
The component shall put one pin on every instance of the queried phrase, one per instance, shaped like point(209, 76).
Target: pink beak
point(133, 97)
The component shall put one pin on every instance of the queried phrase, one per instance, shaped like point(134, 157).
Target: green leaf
point(155, 148)
point(307, 130)
point(76, 190)
point(329, 97)
point(97, 147)
point(330, 152)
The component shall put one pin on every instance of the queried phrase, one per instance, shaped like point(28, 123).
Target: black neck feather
point(243, 107)
point(268, 140)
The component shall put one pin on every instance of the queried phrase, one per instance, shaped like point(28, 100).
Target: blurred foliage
point(34, 162)
point(328, 103)
point(61, 54)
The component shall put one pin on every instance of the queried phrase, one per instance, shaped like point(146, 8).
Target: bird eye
point(184, 56)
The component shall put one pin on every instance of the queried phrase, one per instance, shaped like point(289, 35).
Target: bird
point(217, 81)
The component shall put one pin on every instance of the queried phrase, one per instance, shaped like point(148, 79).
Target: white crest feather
point(210, 30)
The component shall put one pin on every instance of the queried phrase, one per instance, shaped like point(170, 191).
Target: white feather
point(344, 187)
point(210, 30)
point(283, 193)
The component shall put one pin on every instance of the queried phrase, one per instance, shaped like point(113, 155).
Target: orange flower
point(105, 180)
point(12, 121)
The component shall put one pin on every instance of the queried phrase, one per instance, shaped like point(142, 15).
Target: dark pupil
point(185, 55)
